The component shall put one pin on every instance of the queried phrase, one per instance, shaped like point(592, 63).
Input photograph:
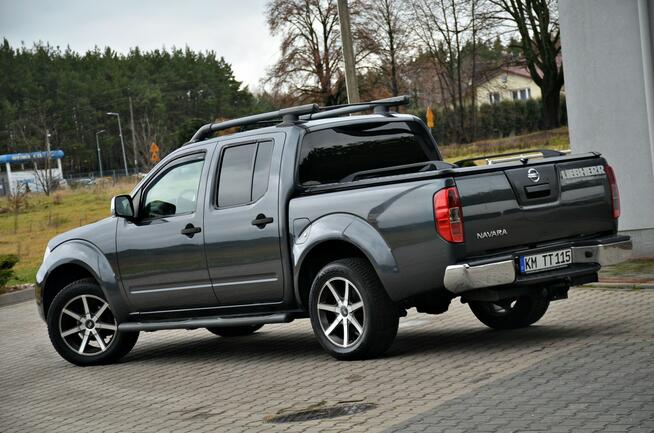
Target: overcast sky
point(234, 29)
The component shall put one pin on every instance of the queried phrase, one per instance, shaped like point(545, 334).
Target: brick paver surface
point(587, 366)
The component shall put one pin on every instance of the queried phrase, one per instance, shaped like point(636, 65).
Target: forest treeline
point(44, 89)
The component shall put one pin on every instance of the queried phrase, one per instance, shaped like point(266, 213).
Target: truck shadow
point(276, 344)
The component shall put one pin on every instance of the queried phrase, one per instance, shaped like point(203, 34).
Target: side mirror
point(121, 206)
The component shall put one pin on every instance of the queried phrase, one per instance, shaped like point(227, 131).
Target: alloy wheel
point(502, 308)
point(87, 325)
point(340, 312)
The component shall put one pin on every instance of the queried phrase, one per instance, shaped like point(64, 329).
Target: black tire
point(234, 331)
point(88, 293)
point(379, 314)
point(511, 314)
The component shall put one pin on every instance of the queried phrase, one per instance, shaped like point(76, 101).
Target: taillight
point(615, 194)
point(448, 214)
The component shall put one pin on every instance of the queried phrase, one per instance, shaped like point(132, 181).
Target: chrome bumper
point(604, 254)
point(464, 277)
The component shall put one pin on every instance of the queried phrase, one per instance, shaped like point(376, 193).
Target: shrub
point(7, 263)
point(504, 119)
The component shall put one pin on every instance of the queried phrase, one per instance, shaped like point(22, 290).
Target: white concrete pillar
point(608, 86)
point(9, 182)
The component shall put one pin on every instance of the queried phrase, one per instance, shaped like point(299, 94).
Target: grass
point(44, 217)
point(556, 139)
point(632, 271)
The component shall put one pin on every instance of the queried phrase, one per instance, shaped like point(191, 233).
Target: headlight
point(46, 253)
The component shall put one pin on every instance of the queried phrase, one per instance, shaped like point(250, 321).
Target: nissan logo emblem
point(533, 175)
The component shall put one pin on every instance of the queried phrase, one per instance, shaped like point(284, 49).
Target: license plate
point(544, 261)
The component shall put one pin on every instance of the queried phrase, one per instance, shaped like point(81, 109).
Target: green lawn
point(44, 217)
point(556, 139)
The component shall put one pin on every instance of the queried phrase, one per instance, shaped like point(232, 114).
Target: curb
point(621, 285)
point(17, 296)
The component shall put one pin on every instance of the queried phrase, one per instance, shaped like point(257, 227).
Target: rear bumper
point(464, 277)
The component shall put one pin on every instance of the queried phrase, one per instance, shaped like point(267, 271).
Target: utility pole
point(97, 143)
point(348, 53)
point(131, 126)
point(122, 143)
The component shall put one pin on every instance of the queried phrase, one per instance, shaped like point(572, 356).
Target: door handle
point(190, 230)
point(261, 221)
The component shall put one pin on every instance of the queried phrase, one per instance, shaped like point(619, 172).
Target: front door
point(161, 254)
point(242, 224)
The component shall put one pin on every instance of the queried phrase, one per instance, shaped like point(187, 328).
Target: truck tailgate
point(535, 203)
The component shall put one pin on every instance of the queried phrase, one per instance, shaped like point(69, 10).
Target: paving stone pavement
point(586, 366)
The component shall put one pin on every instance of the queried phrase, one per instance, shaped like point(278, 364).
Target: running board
point(206, 322)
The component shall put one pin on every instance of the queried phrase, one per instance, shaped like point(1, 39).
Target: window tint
point(235, 185)
point(329, 155)
point(244, 173)
point(261, 170)
point(174, 193)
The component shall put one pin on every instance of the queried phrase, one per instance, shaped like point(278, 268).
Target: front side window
point(175, 192)
point(332, 155)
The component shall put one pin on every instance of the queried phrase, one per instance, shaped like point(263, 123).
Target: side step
point(206, 322)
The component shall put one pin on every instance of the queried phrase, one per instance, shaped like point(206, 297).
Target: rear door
point(532, 204)
point(242, 223)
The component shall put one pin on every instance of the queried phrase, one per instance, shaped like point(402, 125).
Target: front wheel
point(351, 314)
point(511, 313)
point(82, 327)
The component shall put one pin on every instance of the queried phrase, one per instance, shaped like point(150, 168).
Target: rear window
point(331, 155)
point(244, 173)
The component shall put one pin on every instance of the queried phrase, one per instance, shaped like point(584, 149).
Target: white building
point(609, 80)
point(28, 170)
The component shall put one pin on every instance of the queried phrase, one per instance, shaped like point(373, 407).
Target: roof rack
point(291, 115)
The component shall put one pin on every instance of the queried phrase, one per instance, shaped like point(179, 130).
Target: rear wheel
point(82, 327)
point(511, 313)
point(351, 314)
point(234, 331)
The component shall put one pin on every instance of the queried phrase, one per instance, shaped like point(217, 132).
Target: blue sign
point(27, 157)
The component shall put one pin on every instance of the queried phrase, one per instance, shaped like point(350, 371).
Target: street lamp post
point(97, 143)
point(122, 143)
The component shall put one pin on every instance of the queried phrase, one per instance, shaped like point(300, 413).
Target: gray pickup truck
point(348, 220)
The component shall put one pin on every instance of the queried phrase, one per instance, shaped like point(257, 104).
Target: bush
point(7, 263)
point(504, 119)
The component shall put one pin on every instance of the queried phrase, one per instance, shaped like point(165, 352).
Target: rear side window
point(330, 155)
point(244, 173)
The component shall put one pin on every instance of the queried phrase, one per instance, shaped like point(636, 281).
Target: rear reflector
point(615, 194)
point(449, 215)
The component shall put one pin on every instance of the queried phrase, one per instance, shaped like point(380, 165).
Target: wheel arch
point(338, 236)
point(72, 261)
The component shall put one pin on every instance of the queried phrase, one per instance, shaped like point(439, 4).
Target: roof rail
point(379, 106)
point(303, 112)
point(288, 115)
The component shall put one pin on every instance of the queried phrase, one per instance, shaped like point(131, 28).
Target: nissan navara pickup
point(343, 218)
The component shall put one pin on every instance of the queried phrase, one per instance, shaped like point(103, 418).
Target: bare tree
point(445, 27)
point(311, 55)
point(149, 128)
point(45, 178)
point(537, 23)
point(384, 30)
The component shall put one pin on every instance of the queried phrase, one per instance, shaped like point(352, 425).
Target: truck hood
point(90, 232)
